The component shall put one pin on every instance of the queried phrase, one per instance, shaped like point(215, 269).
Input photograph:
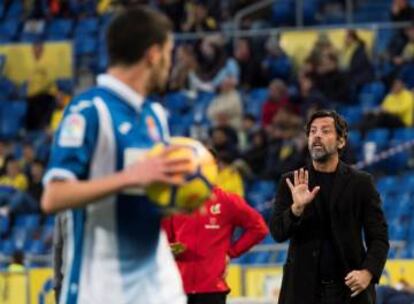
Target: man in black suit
point(323, 210)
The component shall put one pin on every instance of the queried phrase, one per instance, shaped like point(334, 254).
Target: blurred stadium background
point(288, 57)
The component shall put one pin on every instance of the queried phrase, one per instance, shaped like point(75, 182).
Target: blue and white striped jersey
point(116, 252)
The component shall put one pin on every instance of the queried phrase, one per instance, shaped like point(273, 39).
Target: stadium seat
point(353, 115)
point(371, 94)
point(355, 140)
point(4, 225)
point(8, 89)
point(12, 114)
point(87, 26)
point(37, 247)
point(176, 102)
point(388, 185)
point(15, 10)
point(9, 29)
point(7, 247)
point(283, 13)
point(59, 29)
point(30, 221)
point(85, 45)
point(403, 134)
point(380, 137)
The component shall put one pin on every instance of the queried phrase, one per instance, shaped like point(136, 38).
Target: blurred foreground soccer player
point(115, 252)
point(202, 243)
point(323, 209)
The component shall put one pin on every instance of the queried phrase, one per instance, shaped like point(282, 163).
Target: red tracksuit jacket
point(207, 234)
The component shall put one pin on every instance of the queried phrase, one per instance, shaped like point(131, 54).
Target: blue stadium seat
point(30, 221)
point(8, 89)
point(59, 29)
point(382, 40)
point(372, 94)
point(66, 85)
point(12, 116)
point(50, 221)
point(4, 225)
point(176, 102)
point(7, 247)
point(85, 45)
point(407, 74)
point(87, 26)
point(407, 184)
point(355, 140)
point(403, 134)
point(263, 187)
point(36, 247)
point(388, 185)
point(9, 29)
point(30, 37)
point(15, 10)
point(380, 137)
point(353, 114)
point(283, 13)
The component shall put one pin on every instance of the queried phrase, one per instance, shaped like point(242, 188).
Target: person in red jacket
point(202, 243)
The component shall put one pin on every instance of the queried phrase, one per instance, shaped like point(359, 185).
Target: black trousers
point(207, 298)
point(331, 292)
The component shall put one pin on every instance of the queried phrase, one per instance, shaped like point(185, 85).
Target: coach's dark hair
point(341, 125)
point(133, 31)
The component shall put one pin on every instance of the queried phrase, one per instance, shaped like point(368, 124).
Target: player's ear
point(153, 54)
point(341, 142)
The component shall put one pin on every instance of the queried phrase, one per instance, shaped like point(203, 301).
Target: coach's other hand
point(358, 281)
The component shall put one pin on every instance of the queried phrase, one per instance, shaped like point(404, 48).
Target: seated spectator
point(276, 63)
point(396, 110)
point(214, 66)
point(323, 47)
point(401, 11)
point(407, 53)
point(355, 61)
point(25, 201)
point(256, 156)
point(248, 128)
point(27, 159)
point(308, 98)
point(62, 99)
point(229, 178)
point(277, 99)
point(330, 81)
point(4, 152)
point(13, 177)
point(287, 147)
point(41, 88)
point(198, 19)
point(399, 102)
point(17, 263)
point(224, 138)
point(226, 109)
point(184, 63)
point(250, 71)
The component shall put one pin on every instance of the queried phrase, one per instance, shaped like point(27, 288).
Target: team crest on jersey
point(152, 129)
point(215, 209)
point(73, 131)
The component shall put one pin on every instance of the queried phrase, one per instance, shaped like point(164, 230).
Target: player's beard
point(322, 153)
point(158, 79)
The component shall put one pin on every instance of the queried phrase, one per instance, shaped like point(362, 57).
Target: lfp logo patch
point(73, 131)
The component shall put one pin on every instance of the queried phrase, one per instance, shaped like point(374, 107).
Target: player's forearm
point(60, 195)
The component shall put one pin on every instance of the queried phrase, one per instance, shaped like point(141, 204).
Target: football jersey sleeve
point(74, 143)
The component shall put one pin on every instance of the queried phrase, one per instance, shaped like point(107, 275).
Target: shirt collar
point(123, 90)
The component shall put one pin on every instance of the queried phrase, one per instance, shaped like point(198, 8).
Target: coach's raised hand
point(301, 194)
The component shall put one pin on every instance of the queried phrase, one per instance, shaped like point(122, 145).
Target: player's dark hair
point(341, 125)
point(133, 31)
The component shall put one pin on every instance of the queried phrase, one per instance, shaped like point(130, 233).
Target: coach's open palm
point(301, 194)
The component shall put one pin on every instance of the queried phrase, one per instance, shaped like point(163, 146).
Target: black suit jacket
point(356, 215)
